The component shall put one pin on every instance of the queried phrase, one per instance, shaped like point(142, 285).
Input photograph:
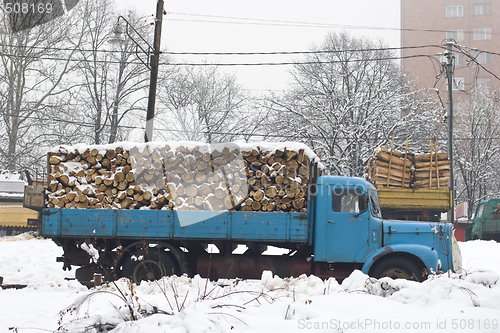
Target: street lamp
point(153, 57)
point(118, 38)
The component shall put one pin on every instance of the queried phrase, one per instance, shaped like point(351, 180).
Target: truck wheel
point(85, 275)
point(398, 268)
point(149, 265)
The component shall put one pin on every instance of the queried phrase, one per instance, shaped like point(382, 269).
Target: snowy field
point(469, 303)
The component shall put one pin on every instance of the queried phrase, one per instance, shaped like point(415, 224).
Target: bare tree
point(35, 63)
point(203, 105)
point(345, 99)
point(112, 77)
point(477, 148)
point(422, 117)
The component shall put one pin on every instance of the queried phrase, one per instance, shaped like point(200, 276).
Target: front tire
point(398, 268)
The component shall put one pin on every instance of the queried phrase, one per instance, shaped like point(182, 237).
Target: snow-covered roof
point(11, 186)
point(8, 175)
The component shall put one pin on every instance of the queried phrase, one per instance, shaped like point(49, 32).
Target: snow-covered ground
point(470, 303)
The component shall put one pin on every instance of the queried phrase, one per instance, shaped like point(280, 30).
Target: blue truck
point(339, 231)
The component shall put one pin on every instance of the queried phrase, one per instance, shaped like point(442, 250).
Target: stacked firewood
point(432, 171)
point(391, 168)
point(184, 177)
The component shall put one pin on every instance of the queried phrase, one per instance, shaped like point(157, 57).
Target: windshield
point(374, 203)
point(480, 211)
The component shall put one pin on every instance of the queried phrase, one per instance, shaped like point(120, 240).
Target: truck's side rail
point(177, 225)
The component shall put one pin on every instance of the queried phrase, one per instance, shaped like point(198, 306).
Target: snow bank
point(270, 304)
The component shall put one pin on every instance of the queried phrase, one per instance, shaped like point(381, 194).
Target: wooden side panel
point(414, 199)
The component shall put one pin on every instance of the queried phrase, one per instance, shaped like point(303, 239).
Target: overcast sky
point(265, 26)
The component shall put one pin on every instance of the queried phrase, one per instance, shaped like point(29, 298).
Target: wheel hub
point(396, 273)
point(148, 270)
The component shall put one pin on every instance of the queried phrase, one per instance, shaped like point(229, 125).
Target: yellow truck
point(14, 218)
point(411, 186)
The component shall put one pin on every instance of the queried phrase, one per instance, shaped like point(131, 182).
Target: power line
point(3, 54)
point(305, 52)
point(289, 136)
point(286, 63)
point(474, 59)
point(223, 64)
point(235, 53)
point(326, 62)
point(270, 22)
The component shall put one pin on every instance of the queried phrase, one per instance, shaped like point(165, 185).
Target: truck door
point(343, 226)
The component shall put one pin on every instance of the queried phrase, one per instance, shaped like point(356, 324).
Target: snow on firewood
point(182, 176)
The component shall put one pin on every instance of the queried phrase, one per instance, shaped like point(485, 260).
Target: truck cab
point(486, 223)
point(349, 230)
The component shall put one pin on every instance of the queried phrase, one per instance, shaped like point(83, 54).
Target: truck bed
point(273, 227)
point(414, 204)
point(410, 199)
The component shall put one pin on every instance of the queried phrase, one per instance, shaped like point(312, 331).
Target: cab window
point(348, 201)
point(480, 211)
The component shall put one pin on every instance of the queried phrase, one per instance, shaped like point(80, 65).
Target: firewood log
point(191, 178)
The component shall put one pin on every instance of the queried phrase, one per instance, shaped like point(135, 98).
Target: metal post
point(155, 59)
point(449, 76)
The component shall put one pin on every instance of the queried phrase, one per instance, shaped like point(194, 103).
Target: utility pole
point(449, 75)
point(155, 59)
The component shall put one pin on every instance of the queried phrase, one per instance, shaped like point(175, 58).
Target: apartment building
point(473, 24)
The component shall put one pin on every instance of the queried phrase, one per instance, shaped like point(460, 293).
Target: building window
point(482, 9)
point(484, 58)
point(455, 11)
point(457, 35)
point(482, 33)
point(458, 83)
point(483, 82)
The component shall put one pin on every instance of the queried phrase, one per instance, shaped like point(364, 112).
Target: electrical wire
point(236, 53)
point(282, 136)
point(474, 59)
point(305, 52)
point(206, 64)
point(269, 22)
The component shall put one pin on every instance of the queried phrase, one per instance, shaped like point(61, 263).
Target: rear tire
point(398, 268)
point(148, 265)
